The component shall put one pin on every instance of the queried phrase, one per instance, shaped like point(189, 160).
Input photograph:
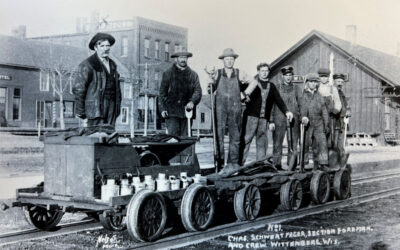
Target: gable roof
point(43, 55)
point(384, 66)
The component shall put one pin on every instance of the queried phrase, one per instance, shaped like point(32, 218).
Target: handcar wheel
point(146, 215)
point(112, 222)
point(247, 202)
point(42, 218)
point(291, 195)
point(342, 184)
point(197, 208)
point(148, 159)
point(320, 187)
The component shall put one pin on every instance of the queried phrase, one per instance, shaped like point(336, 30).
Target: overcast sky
point(258, 30)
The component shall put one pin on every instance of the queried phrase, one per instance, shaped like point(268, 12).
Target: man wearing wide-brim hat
point(229, 84)
point(180, 91)
point(97, 88)
point(314, 115)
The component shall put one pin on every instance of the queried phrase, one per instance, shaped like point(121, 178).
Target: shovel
point(292, 160)
point(217, 156)
point(189, 114)
point(333, 152)
point(302, 146)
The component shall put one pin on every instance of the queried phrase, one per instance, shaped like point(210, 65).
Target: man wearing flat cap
point(344, 112)
point(229, 84)
point(97, 88)
point(291, 95)
point(332, 101)
point(314, 116)
point(179, 91)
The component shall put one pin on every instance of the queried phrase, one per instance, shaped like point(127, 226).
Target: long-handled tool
point(189, 114)
point(345, 121)
point(214, 126)
point(292, 154)
point(302, 146)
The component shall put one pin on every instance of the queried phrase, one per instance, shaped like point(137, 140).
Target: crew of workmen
point(246, 106)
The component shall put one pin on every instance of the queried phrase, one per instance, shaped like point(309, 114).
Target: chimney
point(351, 34)
point(19, 32)
point(78, 25)
point(94, 21)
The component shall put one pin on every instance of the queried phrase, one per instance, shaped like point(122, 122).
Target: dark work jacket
point(176, 92)
point(291, 95)
point(312, 105)
point(89, 87)
point(253, 107)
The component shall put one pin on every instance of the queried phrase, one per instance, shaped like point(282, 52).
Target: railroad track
point(186, 239)
point(192, 238)
point(34, 234)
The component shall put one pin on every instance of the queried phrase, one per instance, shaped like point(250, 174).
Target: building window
point(124, 115)
point(177, 47)
point(69, 109)
point(202, 117)
point(124, 46)
point(127, 90)
point(71, 82)
point(167, 52)
point(44, 81)
point(17, 104)
point(156, 76)
point(3, 103)
point(157, 50)
point(146, 47)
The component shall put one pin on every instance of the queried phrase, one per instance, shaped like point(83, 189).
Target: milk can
point(137, 184)
point(175, 183)
point(109, 190)
point(150, 183)
point(184, 180)
point(126, 189)
point(163, 184)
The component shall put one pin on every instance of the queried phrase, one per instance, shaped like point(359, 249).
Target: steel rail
point(34, 234)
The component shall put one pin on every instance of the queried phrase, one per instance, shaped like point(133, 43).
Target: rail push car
point(88, 174)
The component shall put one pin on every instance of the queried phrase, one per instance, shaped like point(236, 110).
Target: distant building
point(372, 88)
point(31, 74)
point(203, 122)
point(139, 41)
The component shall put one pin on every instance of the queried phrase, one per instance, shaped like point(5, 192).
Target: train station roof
point(382, 65)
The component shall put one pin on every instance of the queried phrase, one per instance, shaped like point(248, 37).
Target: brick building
point(140, 44)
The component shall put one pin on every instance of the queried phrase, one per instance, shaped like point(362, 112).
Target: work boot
point(229, 169)
point(324, 167)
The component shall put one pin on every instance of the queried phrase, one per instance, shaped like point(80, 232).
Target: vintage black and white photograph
point(200, 124)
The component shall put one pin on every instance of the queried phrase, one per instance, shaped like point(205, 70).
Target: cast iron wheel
point(148, 159)
point(197, 208)
point(42, 218)
point(247, 202)
point(342, 184)
point(291, 195)
point(320, 187)
point(146, 215)
point(112, 222)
